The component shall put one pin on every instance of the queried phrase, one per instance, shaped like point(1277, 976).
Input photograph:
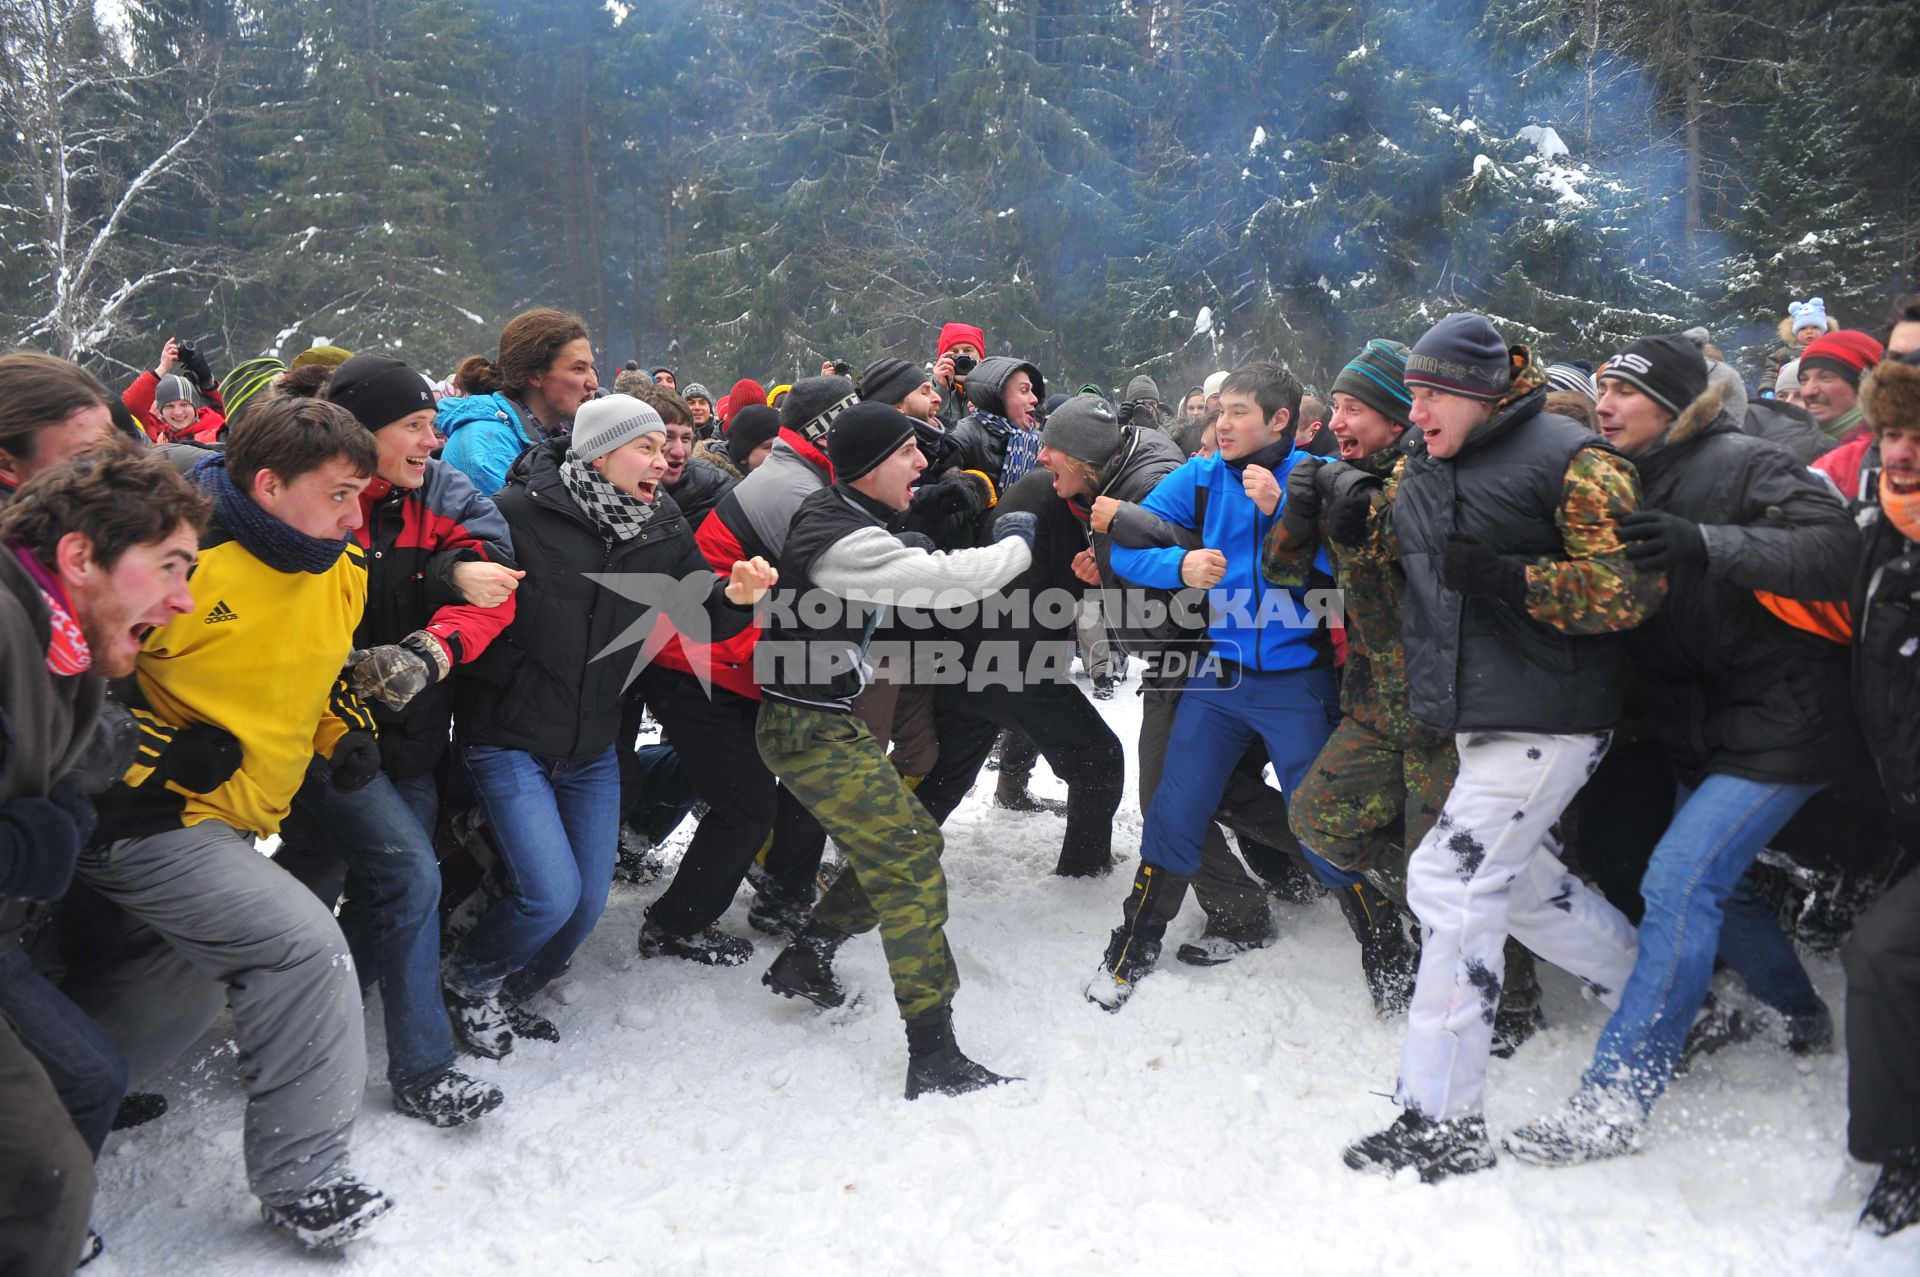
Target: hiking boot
point(1714, 1028)
point(1286, 878)
point(637, 862)
point(1103, 687)
point(1218, 944)
point(1436, 1150)
point(1134, 947)
point(330, 1214)
point(1387, 955)
point(452, 1099)
point(1809, 1034)
point(1518, 1016)
point(804, 968)
point(710, 946)
point(480, 1024)
point(139, 1108)
point(775, 910)
point(529, 1023)
point(1590, 1127)
point(1894, 1202)
point(1014, 795)
point(936, 1066)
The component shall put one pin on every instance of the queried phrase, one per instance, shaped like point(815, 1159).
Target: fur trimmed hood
point(1699, 414)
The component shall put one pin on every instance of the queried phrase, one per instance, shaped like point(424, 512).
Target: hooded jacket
point(485, 433)
point(548, 685)
point(977, 444)
point(1729, 687)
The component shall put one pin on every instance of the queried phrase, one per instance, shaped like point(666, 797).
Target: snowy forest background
point(743, 188)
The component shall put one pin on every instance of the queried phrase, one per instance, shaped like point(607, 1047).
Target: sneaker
point(139, 1108)
point(529, 1023)
point(1894, 1203)
point(452, 1099)
point(1590, 1127)
point(709, 945)
point(330, 1214)
point(1218, 947)
point(804, 968)
point(637, 862)
point(1437, 1150)
point(480, 1024)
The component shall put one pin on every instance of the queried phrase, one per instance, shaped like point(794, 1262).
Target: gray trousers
point(1234, 902)
point(1097, 651)
point(219, 921)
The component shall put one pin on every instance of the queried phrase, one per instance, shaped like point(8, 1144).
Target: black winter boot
point(935, 1064)
point(804, 968)
point(1519, 1016)
point(1894, 1203)
point(139, 1108)
point(1386, 952)
point(1134, 947)
point(1436, 1149)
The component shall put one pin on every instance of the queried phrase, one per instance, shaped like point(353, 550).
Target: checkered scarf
point(618, 515)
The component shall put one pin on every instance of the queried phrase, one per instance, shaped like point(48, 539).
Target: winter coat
point(1728, 686)
point(1854, 467)
point(485, 434)
point(1144, 458)
point(1255, 625)
point(1478, 664)
point(48, 719)
point(415, 538)
point(1059, 535)
point(700, 488)
point(543, 686)
point(977, 446)
point(714, 453)
point(207, 424)
point(1886, 658)
point(1788, 425)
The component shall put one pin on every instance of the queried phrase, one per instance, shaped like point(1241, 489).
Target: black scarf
point(280, 547)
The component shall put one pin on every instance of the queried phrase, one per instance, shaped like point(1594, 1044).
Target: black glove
point(395, 673)
point(356, 760)
point(1473, 568)
point(198, 758)
point(197, 367)
point(1125, 413)
point(1301, 510)
point(1347, 496)
point(1658, 542)
point(1018, 523)
point(947, 509)
point(40, 839)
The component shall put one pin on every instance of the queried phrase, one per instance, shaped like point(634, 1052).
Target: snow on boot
point(1286, 877)
point(452, 1099)
point(1219, 944)
point(1716, 1027)
point(710, 946)
point(91, 1248)
point(775, 910)
point(1103, 687)
point(1436, 1150)
point(529, 1023)
point(1590, 1127)
point(935, 1065)
point(637, 862)
point(1513, 1027)
point(1894, 1202)
point(330, 1214)
point(1013, 794)
point(804, 968)
point(139, 1108)
point(1387, 955)
point(480, 1024)
point(1134, 946)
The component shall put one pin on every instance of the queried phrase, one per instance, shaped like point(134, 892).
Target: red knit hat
point(1847, 352)
point(952, 335)
point(745, 391)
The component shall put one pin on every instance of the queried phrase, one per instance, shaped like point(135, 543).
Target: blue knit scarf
point(1023, 447)
point(282, 548)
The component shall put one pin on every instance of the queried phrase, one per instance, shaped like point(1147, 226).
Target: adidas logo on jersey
point(221, 612)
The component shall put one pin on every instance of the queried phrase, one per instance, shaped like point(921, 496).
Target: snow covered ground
point(691, 1122)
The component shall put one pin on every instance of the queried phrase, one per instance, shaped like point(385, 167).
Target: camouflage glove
point(355, 761)
point(1475, 569)
point(395, 673)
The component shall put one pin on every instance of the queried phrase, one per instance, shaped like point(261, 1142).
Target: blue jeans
point(1293, 711)
point(558, 829)
point(391, 911)
point(86, 1068)
point(1716, 833)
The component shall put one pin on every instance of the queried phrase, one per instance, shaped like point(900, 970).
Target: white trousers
point(1491, 867)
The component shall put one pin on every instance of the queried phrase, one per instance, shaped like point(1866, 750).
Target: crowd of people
point(1518, 659)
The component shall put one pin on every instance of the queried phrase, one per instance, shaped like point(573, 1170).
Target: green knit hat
point(1375, 378)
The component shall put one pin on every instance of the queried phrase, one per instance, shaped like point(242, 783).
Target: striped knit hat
point(1375, 378)
point(1463, 355)
point(1572, 377)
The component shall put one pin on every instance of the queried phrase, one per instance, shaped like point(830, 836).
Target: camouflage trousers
point(1369, 801)
point(893, 879)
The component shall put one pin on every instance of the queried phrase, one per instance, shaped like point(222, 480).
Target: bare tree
point(86, 162)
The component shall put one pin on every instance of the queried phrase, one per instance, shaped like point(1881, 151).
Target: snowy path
point(691, 1122)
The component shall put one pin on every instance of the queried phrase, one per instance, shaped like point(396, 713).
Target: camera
point(964, 364)
point(185, 350)
point(842, 368)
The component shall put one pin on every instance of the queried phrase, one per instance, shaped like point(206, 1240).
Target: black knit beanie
point(378, 390)
point(865, 435)
point(1669, 370)
point(812, 403)
point(1463, 355)
point(890, 380)
point(752, 426)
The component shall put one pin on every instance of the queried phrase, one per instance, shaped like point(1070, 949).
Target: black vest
point(1474, 664)
point(803, 658)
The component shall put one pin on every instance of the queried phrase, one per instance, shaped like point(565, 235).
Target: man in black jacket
point(1752, 710)
point(1883, 956)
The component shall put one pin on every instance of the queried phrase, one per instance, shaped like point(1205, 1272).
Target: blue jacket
point(1254, 625)
point(485, 434)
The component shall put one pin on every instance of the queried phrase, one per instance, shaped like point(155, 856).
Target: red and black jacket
point(204, 428)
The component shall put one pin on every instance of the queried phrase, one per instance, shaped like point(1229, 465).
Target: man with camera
point(178, 407)
point(959, 350)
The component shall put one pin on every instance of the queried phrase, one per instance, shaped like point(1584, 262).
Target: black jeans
point(1883, 1025)
point(1069, 733)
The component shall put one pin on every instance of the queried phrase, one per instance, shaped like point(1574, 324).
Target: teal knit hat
point(1375, 378)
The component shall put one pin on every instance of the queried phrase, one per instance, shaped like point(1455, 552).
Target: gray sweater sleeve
point(873, 565)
